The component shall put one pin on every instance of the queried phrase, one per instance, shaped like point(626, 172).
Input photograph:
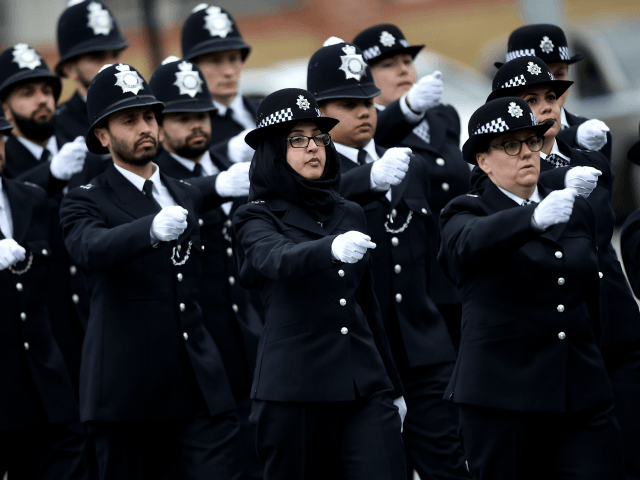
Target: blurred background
point(463, 38)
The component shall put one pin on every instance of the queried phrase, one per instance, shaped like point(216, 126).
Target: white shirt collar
point(555, 150)
point(36, 150)
point(236, 104)
point(207, 165)
point(352, 153)
point(535, 197)
point(564, 123)
point(136, 179)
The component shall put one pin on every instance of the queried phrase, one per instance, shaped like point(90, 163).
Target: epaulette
point(257, 201)
point(186, 183)
point(32, 184)
point(88, 186)
point(472, 195)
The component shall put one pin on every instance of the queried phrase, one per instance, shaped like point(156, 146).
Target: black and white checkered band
point(527, 52)
point(280, 116)
point(514, 82)
point(493, 126)
point(564, 53)
point(556, 160)
point(372, 52)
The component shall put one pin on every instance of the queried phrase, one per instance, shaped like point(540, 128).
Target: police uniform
point(153, 390)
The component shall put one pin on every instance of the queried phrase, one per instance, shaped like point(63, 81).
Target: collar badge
point(515, 110)
point(25, 56)
point(128, 79)
point(217, 22)
point(353, 65)
point(303, 103)
point(99, 19)
point(533, 69)
point(188, 81)
point(387, 40)
point(546, 45)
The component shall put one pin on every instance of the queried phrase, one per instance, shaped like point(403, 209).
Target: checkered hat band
point(280, 116)
point(493, 126)
point(527, 52)
point(564, 53)
point(514, 82)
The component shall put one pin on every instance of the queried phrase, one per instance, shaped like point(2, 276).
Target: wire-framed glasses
point(302, 141)
point(513, 147)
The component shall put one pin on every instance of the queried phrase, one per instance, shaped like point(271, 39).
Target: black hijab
point(272, 177)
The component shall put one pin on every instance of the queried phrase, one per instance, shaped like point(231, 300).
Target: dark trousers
point(195, 449)
point(43, 452)
point(356, 440)
point(508, 445)
point(430, 432)
point(252, 468)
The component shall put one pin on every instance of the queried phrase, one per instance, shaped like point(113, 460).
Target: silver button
point(183, 307)
point(440, 162)
point(23, 316)
point(600, 274)
point(19, 287)
point(398, 297)
point(234, 307)
point(558, 254)
point(75, 298)
point(26, 346)
point(562, 336)
point(343, 302)
point(445, 186)
point(185, 335)
point(203, 248)
point(397, 269)
point(45, 252)
point(395, 242)
point(394, 213)
point(344, 330)
point(341, 273)
point(424, 211)
point(232, 281)
point(73, 270)
point(561, 281)
point(229, 252)
point(200, 222)
point(179, 247)
point(560, 308)
point(180, 277)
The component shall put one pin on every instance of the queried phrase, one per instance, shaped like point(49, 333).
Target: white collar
point(236, 104)
point(555, 150)
point(137, 180)
point(535, 197)
point(352, 153)
point(379, 107)
point(205, 162)
point(564, 123)
point(36, 150)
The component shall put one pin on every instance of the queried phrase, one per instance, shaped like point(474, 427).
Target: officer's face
point(544, 106)
point(221, 71)
point(33, 101)
point(517, 174)
point(84, 67)
point(560, 71)
point(310, 161)
point(187, 134)
point(131, 135)
point(358, 120)
point(394, 76)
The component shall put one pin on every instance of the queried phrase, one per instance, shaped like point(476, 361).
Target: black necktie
point(197, 170)
point(556, 160)
point(362, 156)
point(147, 188)
point(45, 155)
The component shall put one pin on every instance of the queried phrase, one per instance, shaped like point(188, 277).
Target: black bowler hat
point(5, 126)
point(634, 153)
point(287, 107)
point(115, 88)
point(180, 86)
point(87, 26)
point(496, 117)
point(523, 73)
point(21, 64)
point(339, 71)
point(211, 29)
point(382, 41)
point(542, 40)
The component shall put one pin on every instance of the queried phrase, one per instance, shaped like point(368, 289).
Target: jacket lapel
point(297, 217)
point(555, 231)
point(181, 198)
point(130, 199)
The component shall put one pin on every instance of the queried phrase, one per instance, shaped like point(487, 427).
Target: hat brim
point(362, 90)
point(253, 138)
point(218, 45)
point(29, 76)
point(634, 153)
point(558, 86)
point(93, 45)
point(193, 105)
point(479, 143)
point(412, 50)
point(93, 144)
point(576, 58)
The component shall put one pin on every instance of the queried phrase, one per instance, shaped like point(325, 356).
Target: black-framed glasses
point(513, 147)
point(302, 141)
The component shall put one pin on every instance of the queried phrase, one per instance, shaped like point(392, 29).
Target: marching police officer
point(400, 223)
point(88, 38)
point(411, 115)
point(153, 391)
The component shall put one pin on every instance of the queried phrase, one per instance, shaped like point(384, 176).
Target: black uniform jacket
point(72, 119)
point(568, 135)
point(530, 313)
point(448, 172)
point(323, 338)
point(33, 373)
point(225, 127)
point(630, 248)
point(417, 332)
point(145, 339)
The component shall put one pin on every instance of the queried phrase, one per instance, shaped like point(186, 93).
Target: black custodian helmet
point(382, 41)
point(115, 88)
point(21, 64)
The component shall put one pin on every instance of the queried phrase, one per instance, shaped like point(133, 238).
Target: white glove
point(70, 159)
point(234, 182)
point(402, 410)
point(10, 253)
point(169, 223)
point(592, 134)
point(237, 149)
point(391, 168)
point(351, 246)
point(426, 93)
point(582, 179)
point(555, 208)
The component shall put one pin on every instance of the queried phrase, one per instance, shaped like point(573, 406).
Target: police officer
point(153, 391)
point(88, 38)
point(549, 43)
point(211, 39)
point(411, 115)
point(40, 435)
point(400, 223)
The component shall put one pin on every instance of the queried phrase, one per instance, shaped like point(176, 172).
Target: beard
point(184, 150)
point(128, 153)
point(35, 129)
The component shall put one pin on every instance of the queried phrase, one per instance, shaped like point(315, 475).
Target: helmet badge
point(188, 81)
point(99, 19)
point(353, 65)
point(25, 56)
point(128, 79)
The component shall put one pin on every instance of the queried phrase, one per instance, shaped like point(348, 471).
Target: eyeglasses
point(322, 140)
point(513, 147)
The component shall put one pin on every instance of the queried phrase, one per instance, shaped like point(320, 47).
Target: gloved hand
point(351, 246)
point(555, 208)
point(391, 168)
point(402, 410)
point(169, 223)
point(582, 179)
point(237, 150)
point(426, 93)
point(234, 182)
point(70, 159)
point(592, 134)
point(10, 253)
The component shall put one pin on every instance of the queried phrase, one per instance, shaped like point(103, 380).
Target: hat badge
point(533, 68)
point(387, 40)
point(515, 110)
point(217, 22)
point(303, 103)
point(188, 81)
point(546, 45)
point(353, 65)
point(99, 19)
point(25, 56)
point(128, 79)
